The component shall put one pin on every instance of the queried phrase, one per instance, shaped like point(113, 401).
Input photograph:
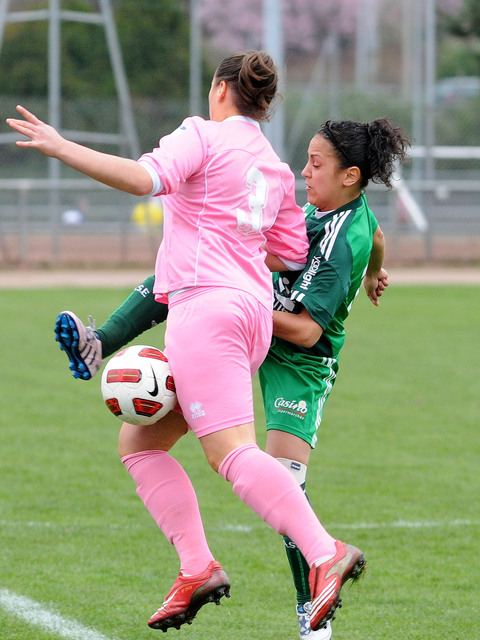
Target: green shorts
point(295, 387)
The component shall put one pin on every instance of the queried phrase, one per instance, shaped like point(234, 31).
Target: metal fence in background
point(80, 223)
point(428, 217)
point(75, 223)
point(430, 222)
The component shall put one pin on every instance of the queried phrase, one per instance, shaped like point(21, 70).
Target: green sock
point(138, 313)
point(299, 568)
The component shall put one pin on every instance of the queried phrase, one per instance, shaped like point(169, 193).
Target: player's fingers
point(28, 115)
point(20, 126)
point(15, 124)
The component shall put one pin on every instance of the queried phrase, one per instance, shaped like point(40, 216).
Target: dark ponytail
point(374, 147)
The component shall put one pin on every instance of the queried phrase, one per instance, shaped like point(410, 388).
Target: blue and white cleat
point(81, 344)
point(306, 633)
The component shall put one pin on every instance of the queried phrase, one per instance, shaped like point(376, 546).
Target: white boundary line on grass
point(406, 524)
point(37, 615)
point(398, 524)
point(242, 528)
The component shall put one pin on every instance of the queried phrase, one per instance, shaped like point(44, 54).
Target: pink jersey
point(226, 194)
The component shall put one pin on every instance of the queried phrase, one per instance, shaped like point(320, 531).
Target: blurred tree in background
point(154, 39)
point(460, 50)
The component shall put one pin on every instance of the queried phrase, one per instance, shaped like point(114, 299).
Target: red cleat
point(188, 595)
point(327, 579)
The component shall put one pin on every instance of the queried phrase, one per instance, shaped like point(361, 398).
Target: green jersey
point(340, 246)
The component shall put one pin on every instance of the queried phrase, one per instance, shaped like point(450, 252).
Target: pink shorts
point(216, 339)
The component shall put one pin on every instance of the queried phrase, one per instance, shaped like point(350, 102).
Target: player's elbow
point(308, 331)
point(309, 337)
point(142, 188)
point(140, 181)
point(308, 342)
point(379, 236)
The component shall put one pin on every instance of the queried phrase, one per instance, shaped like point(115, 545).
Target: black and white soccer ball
point(137, 385)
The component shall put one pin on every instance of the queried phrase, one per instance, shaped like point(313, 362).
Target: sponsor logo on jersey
point(307, 277)
point(196, 409)
point(294, 407)
point(282, 303)
point(282, 296)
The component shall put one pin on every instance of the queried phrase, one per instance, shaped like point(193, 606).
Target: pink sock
point(169, 496)
point(268, 488)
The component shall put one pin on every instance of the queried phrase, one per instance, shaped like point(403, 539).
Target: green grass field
point(396, 472)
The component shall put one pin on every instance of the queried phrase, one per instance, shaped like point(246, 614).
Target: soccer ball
point(137, 385)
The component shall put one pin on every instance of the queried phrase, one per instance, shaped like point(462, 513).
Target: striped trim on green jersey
point(332, 229)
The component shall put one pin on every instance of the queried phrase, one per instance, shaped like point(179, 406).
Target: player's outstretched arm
point(376, 277)
point(123, 174)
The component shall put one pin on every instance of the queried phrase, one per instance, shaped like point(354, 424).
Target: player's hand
point(42, 136)
point(375, 285)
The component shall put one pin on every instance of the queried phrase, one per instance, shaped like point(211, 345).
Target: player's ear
point(221, 90)
point(352, 176)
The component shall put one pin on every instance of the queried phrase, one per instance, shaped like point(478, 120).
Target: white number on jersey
point(251, 221)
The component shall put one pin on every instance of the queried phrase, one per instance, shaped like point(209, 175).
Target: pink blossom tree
point(237, 24)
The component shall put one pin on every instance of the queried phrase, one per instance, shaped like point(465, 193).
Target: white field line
point(242, 528)
point(406, 524)
point(398, 524)
point(38, 616)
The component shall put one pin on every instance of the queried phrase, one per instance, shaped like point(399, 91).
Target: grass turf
point(395, 472)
